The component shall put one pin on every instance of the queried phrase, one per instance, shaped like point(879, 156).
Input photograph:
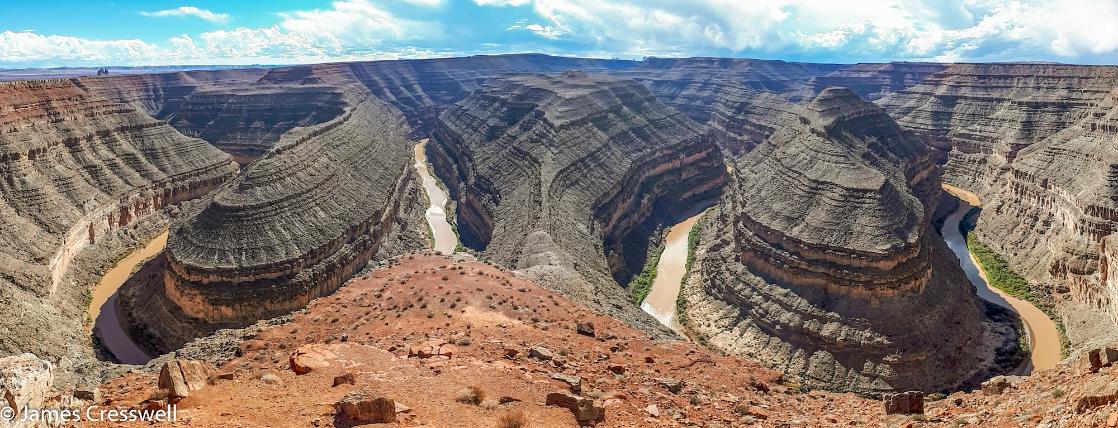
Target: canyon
point(818, 262)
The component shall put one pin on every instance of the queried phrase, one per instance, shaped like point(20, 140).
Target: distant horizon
point(279, 65)
point(71, 33)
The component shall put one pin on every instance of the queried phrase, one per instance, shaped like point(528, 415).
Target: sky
point(57, 33)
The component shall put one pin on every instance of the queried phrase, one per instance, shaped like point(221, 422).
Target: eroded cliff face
point(82, 178)
point(247, 122)
point(820, 260)
point(742, 100)
point(552, 173)
point(295, 224)
point(76, 166)
point(1035, 142)
point(875, 81)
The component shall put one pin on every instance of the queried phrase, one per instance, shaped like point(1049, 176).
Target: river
point(1044, 338)
point(445, 239)
point(104, 307)
point(660, 302)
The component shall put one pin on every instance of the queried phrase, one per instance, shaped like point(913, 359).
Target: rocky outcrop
point(77, 166)
point(1035, 143)
point(178, 378)
point(25, 383)
point(987, 113)
point(743, 100)
point(246, 122)
point(295, 224)
point(161, 94)
point(421, 89)
point(820, 260)
point(552, 173)
point(874, 81)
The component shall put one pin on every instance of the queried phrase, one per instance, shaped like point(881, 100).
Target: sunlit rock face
point(1036, 142)
point(820, 260)
point(554, 174)
point(76, 166)
point(298, 222)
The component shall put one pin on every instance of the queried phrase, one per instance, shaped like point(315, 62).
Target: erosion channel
point(104, 307)
point(672, 266)
point(442, 233)
point(1044, 339)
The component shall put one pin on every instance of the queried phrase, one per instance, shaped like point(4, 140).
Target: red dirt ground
point(371, 323)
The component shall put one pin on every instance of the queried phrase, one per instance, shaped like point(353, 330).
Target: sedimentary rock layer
point(874, 81)
point(551, 173)
point(820, 259)
point(76, 165)
point(297, 222)
point(1035, 142)
point(246, 122)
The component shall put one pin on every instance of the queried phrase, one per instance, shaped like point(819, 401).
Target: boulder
point(541, 353)
point(585, 328)
point(1093, 360)
point(672, 385)
point(587, 411)
point(575, 382)
point(25, 381)
point(997, 384)
point(362, 407)
point(905, 403)
point(311, 357)
point(1090, 362)
point(1097, 391)
point(344, 379)
point(181, 377)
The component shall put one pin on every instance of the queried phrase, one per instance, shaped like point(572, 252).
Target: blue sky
point(88, 33)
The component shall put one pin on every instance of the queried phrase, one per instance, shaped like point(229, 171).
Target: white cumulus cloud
point(803, 30)
point(189, 11)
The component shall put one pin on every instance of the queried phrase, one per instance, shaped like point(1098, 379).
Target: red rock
point(586, 411)
point(905, 403)
point(364, 408)
point(311, 357)
point(344, 379)
point(181, 377)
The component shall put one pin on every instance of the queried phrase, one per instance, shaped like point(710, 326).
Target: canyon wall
point(296, 223)
point(874, 81)
point(1035, 142)
point(551, 173)
point(82, 179)
point(76, 166)
point(821, 260)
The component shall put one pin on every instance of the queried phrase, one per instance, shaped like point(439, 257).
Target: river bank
point(104, 307)
point(445, 240)
point(1044, 337)
point(670, 269)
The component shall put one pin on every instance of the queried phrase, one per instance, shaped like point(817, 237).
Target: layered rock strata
point(553, 173)
point(820, 260)
point(296, 223)
point(875, 81)
point(1035, 142)
point(247, 122)
point(76, 166)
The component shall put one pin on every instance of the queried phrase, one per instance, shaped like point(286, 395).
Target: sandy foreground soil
point(485, 314)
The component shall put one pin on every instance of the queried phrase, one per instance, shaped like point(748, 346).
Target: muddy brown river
point(1044, 338)
point(445, 239)
point(660, 302)
point(104, 307)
